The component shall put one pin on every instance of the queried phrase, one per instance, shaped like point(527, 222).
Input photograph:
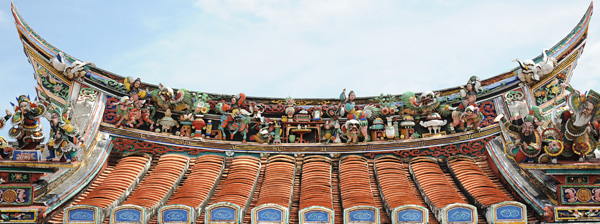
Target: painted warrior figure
point(266, 131)
point(233, 117)
point(574, 124)
point(63, 135)
point(26, 123)
point(529, 140)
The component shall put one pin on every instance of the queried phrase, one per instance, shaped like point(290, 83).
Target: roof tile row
point(433, 182)
point(278, 181)
point(122, 178)
point(156, 186)
point(240, 181)
point(475, 181)
point(200, 182)
point(315, 189)
point(355, 185)
point(394, 184)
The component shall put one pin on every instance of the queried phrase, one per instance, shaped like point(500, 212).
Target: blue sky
point(302, 49)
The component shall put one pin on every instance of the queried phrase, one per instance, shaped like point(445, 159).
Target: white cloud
point(317, 48)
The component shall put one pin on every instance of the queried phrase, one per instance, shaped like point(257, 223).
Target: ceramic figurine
point(531, 72)
point(424, 105)
point(358, 117)
point(266, 131)
point(26, 123)
point(185, 121)
point(468, 96)
point(197, 125)
point(74, 70)
point(148, 112)
point(234, 118)
point(64, 137)
point(123, 107)
point(332, 131)
point(201, 106)
point(290, 110)
point(427, 107)
point(165, 98)
point(575, 123)
point(472, 117)
point(277, 133)
point(141, 113)
point(134, 88)
point(347, 104)
point(167, 122)
point(529, 140)
point(134, 113)
point(257, 110)
point(352, 131)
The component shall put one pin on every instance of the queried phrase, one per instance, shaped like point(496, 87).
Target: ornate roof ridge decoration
point(500, 82)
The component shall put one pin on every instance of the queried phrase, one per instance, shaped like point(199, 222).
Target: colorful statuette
point(64, 137)
point(531, 72)
point(27, 129)
point(574, 124)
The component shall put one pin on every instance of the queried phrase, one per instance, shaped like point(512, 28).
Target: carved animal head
point(528, 64)
point(428, 98)
point(166, 93)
